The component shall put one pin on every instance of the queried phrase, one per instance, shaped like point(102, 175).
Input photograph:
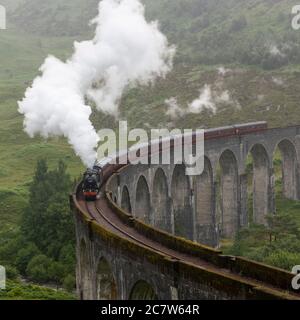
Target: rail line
point(93, 210)
point(127, 234)
point(95, 213)
point(102, 212)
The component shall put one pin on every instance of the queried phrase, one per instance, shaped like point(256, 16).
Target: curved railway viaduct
point(152, 232)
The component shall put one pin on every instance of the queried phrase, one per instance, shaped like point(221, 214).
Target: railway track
point(120, 230)
point(107, 218)
point(105, 214)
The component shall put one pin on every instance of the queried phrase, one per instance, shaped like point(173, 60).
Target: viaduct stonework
point(152, 233)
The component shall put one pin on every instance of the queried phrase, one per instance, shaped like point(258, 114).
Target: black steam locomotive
point(92, 181)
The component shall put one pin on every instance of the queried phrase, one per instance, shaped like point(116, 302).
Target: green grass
point(18, 155)
point(280, 249)
point(252, 89)
point(16, 290)
point(21, 55)
point(35, 31)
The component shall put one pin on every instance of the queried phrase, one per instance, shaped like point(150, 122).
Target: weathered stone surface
point(164, 197)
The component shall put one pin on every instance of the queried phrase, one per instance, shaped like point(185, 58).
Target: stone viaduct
point(146, 237)
point(213, 205)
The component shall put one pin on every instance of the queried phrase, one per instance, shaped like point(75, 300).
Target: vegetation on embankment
point(277, 244)
point(16, 290)
point(252, 40)
point(43, 249)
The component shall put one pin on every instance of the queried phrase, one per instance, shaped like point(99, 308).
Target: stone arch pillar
point(161, 202)
point(125, 200)
point(289, 169)
point(262, 184)
point(243, 200)
point(85, 283)
point(106, 288)
point(204, 199)
point(229, 194)
point(142, 200)
point(181, 201)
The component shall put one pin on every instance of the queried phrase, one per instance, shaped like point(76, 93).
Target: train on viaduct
point(154, 232)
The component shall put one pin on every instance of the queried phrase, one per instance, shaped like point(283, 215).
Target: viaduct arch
point(213, 205)
point(142, 290)
point(146, 251)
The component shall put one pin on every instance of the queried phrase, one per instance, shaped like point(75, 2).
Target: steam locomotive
point(92, 181)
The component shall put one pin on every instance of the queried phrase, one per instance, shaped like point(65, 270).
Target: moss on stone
point(230, 284)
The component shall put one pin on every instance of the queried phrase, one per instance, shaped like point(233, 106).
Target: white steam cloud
point(208, 99)
point(278, 81)
point(126, 51)
point(275, 51)
point(222, 71)
point(174, 110)
point(205, 101)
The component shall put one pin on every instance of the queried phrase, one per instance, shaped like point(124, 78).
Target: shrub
point(25, 255)
point(38, 268)
point(11, 273)
point(69, 283)
point(283, 259)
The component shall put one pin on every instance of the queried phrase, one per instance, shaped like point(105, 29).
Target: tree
point(25, 255)
point(281, 225)
point(67, 257)
point(9, 248)
point(56, 272)
point(11, 272)
point(47, 226)
point(40, 194)
point(38, 268)
point(46, 221)
point(69, 283)
point(58, 229)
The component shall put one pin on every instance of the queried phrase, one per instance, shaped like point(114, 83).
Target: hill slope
point(245, 49)
point(55, 18)
point(195, 26)
point(206, 31)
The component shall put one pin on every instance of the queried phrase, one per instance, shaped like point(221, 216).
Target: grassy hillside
point(55, 18)
point(16, 290)
point(21, 55)
point(279, 243)
point(205, 31)
point(252, 40)
point(255, 94)
point(224, 31)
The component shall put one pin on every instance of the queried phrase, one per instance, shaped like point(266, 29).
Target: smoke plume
point(126, 51)
point(174, 110)
point(205, 101)
point(208, 100)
